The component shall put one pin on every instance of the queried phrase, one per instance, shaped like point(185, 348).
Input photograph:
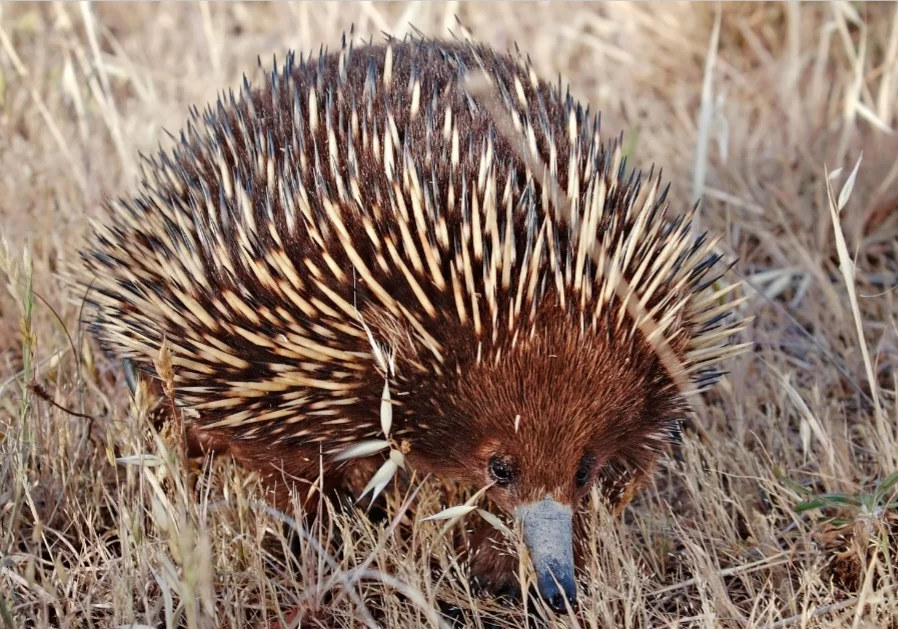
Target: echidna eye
point(502, 470)
point(584, 471)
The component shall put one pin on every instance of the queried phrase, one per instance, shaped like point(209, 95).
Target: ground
point(778, 511)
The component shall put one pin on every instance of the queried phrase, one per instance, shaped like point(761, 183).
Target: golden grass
point(770, 518)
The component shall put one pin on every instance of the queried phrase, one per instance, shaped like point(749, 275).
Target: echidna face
point(545, 420)
point(553, 415)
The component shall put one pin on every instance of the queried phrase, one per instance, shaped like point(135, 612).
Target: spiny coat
point(365, 199)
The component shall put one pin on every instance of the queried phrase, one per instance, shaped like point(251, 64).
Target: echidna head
point(543, 420)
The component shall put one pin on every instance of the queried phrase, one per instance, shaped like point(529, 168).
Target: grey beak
point(548, 535)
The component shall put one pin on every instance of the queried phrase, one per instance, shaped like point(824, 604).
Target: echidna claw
point(452, 614)
point(130, 372)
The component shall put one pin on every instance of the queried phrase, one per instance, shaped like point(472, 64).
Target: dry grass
point(748, 107)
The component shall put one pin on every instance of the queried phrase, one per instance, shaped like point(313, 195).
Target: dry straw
point(716, 542)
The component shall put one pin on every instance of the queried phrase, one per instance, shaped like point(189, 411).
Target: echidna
point(365, 205)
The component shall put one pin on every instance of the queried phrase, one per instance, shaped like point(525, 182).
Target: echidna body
point(357, 218)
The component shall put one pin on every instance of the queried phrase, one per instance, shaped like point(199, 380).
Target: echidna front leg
point(494, 565)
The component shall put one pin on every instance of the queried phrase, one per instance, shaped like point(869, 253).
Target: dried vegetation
point(779, 510)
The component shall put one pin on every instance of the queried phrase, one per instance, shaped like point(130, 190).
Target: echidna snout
point(548, 532)
point(363, 205)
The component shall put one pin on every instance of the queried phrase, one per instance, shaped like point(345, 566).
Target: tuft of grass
point(780, 511)
point(865, 505)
